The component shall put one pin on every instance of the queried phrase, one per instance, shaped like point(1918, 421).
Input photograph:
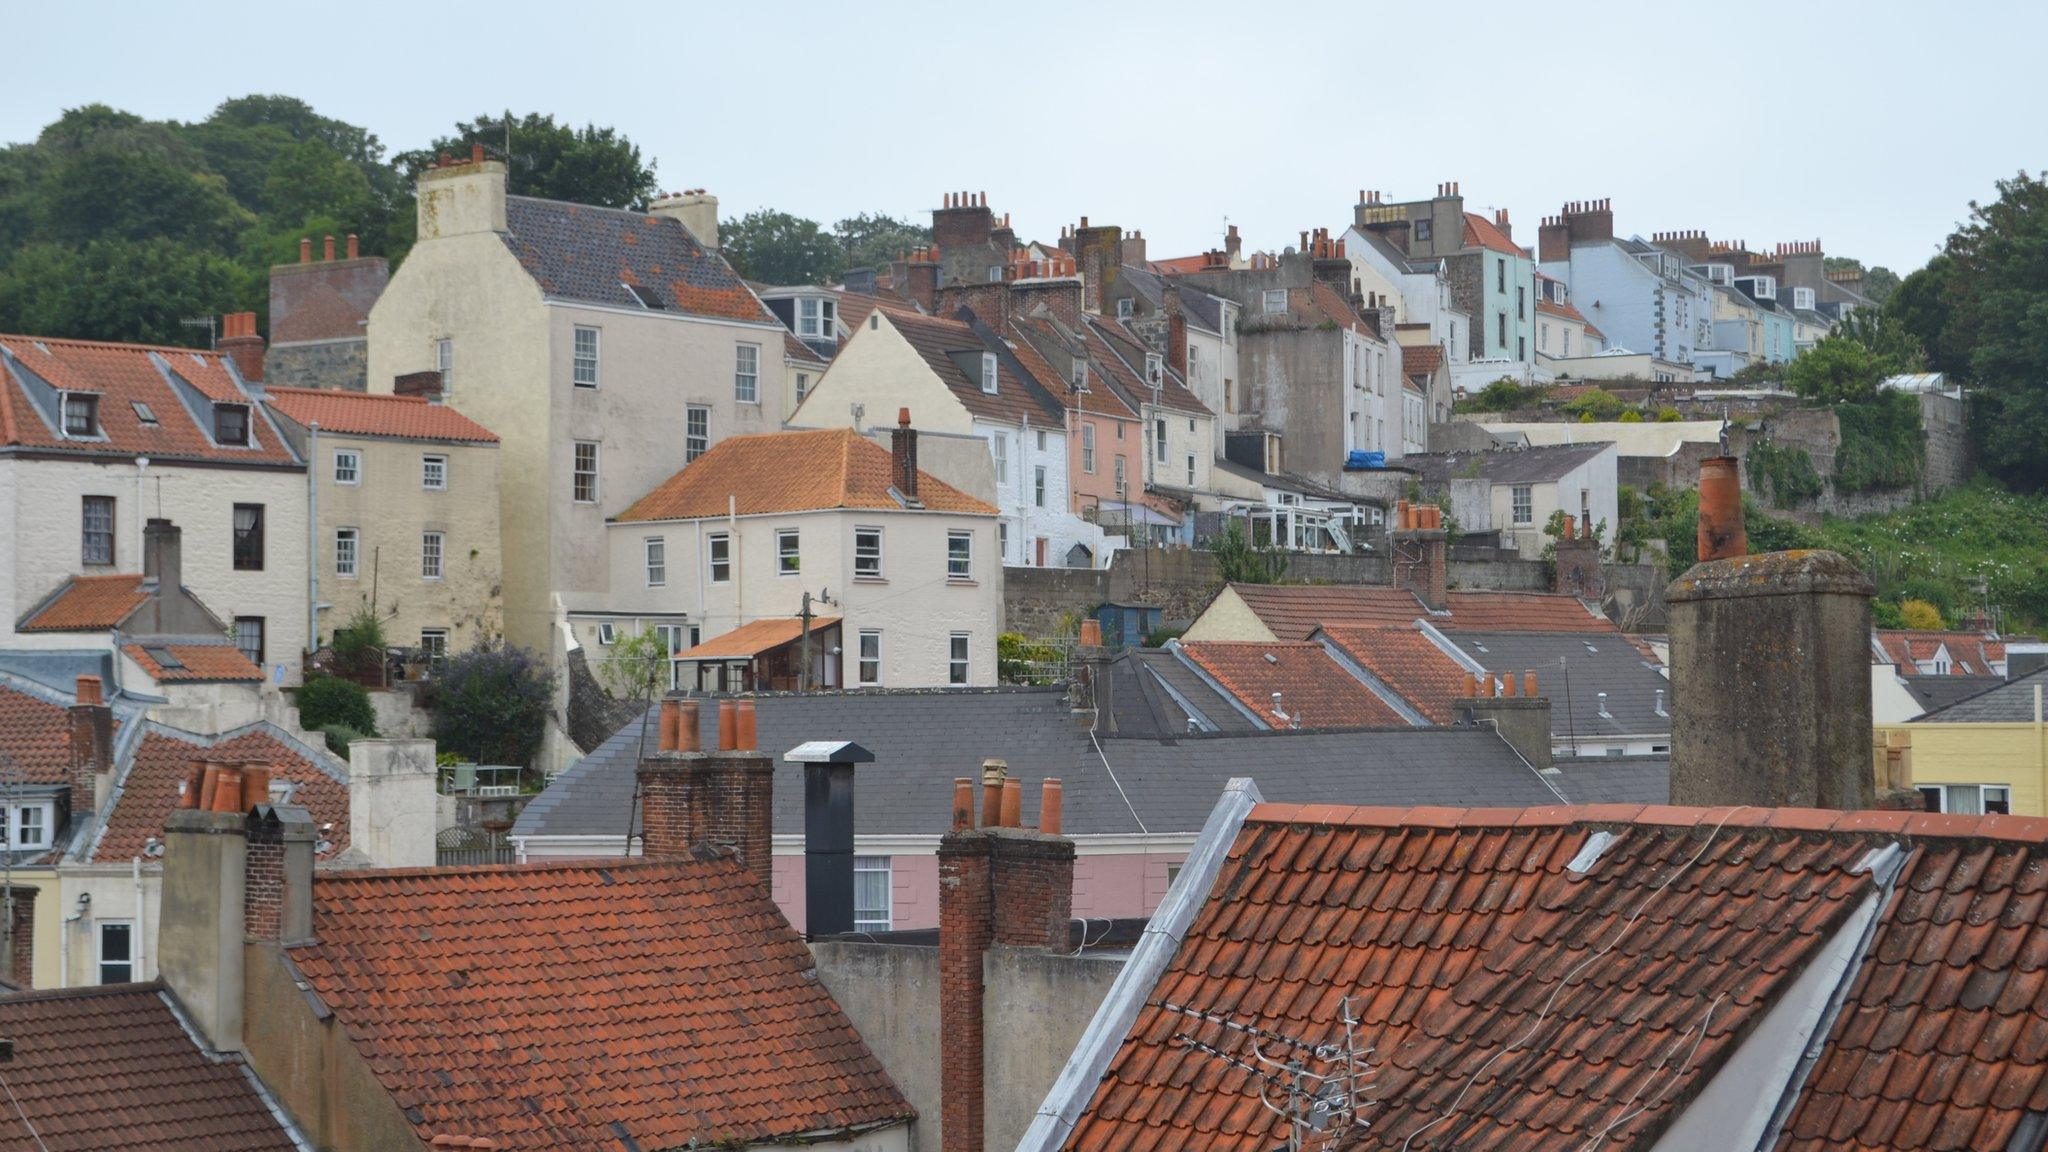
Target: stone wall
point(337, 364)
point(1945, 420)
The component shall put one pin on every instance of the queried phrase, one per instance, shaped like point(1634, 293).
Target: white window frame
point(1159, 439)
point(18, 825)
point(1986, 793)
point(99, 951)
point(867, 669)
point(1273, 301)
point(717, 556)
point(696, 444)
point(91, 401)
point(1155, 369)
point(1522, 504)
point(988, 373)
point(789, 552)
point(585, 362)
point(352, 475)
point(110, 535)
point(353, 537)
point(1123, 308)
point(867, 561)
point(959, 667)
point(999, 448)
point(434, 645)
point(444, 363)
point(433, 555)
point(577, 471)
point(867, 919)
point(746, 373)
point(433, 472)
point(1088, 448)
point(655, 548)
point(822, 323)
point(607, 633)
point(1038, 486)
point(960, 556)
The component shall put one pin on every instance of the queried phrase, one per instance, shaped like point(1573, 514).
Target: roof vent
point(1272, 659)
point(1604, 713)
point(1658, 707)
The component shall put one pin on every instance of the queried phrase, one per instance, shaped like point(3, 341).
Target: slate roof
point(330, 300)
point(146, 787)
point(1572, 669)
point(922, 740)
point(1200, 309)
point(1017, 396)
point(1314, 691)
point(793, 472)
point(195, 663)
point(112, 1067)
point(2011, 702)
point(1154, 693)
point(1933, 692)
point(1534, 465)
point(177, 386)
point(1615, 779)
point(589, 254)
point(645, 1004)
point(88, 603)
point(370, 414)
point(1513, 1002)
point(1100, 398)
point(1122, 356)
point(1972, 652)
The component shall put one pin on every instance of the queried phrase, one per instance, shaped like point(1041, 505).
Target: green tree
point(778, 248)
point(1998, 321)
point(1243, 562)
point(135, 290)
point(636, 665)
point(1923, 305)
point(873, 239)
point(1599, 404)
point(1836, 370)
point(491, 704)
point(329, 700)
point(587, 165)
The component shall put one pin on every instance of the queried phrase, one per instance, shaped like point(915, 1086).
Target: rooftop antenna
point(206, 322)
point(1319, 1089)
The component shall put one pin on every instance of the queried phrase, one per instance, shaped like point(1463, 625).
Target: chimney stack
point(18, 945)
point(720, 799)
point(161, 553)
point(240, 343)
point(695, 209)
point(1512, 709)
point(903, 457)
point(1421, 553)
point(1000, 884)
point(426, 384)
point(828, 832)
point(1578, 570)
point(1233, 245)
point(92, 746)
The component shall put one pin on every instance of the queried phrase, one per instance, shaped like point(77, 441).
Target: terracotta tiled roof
point(1100, 399)
point(800, 352)
point(195, 662)
point(124, 376)
point(1313, 688)
point(148, 790)
point(1481, 233)
point(368, 414)
point(1014, 400)
point(35, 737)
point(1421, 359)
point(581, 252)
point(1972, 653)
point(749, 640)
point(590, 1007)
point(87, 603)
point(1511, 1002)
point(1293, 611)
point(1112, 346)
point(112, 1067)
point(792, 472)
point(1523, 612)
point(1408, 662)
point(1176, 265)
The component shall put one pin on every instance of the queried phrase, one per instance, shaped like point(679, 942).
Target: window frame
point(88, 535)
point(959, 658)
point(247, 557)
point(1088, 448)
point(866, 866)
point(1191, 469)
point(696, 445)
point(19, 823)
point(100, 963)
point(1123, 308)
point(1159, 439)
point(427, 462)
point(262, 637)
point(607, 633)
point(444, 363)
point(1522, 504)
point(579, 359)
point(654, 551)
point(864, 675)
point(717, 555)
point(867, 562)
point(248, 426)
point(1266, 301)
point(433, 554)
point(91, 403)
point(1940, 794)
point(746, 381)
point(354, 537)
point(990, 373)
point(436, 653)
point(789, 552)
point(960, 560)
point(1038, 486)
point(355, 467)
point(999, 449)
point(577, 473)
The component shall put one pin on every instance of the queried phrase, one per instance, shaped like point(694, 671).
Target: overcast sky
point(1869, 125)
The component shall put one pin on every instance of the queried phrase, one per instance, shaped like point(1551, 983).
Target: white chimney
point(696, 208)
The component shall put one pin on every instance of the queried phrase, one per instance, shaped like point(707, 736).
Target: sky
point(1869, 126)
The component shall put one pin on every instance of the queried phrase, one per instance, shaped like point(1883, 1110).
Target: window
point(1502, 325)
point(607, 633)
point(117, 952)
point(746, 373)
point(988, 372)
point(444, 363)
point(696, 432)
point(871, 894)
point(142, 412)
point(348, 466)
point(1159, 439)
point(1524, 504)
point(585, 479)
point(31, 826)
point(1275, 301)
point(1565, 334)
point(1155, 369)
point(1088, 448)
point(249, 638)
point(1038, 485)
point(583, 358)
point(434, 473)
point(959, 555)
point(1041, 440)
point(430, 555)
point(346, 541)
point(81, 414)
point(956, 659)
point(1003, 540)
point(248, 537)
point(999, 447)
point(434, 646)
point(657, 561)
point(96, 527)
point(1424, 229)
point(803, 386)
point(817, 319)
point(788, 561)
point(1802, 299)
point(1521, 303)
point(1191, 470)
point(1967, 799)
point(1521, 347)
point(1500, 269)
point(1119, 477)
point(718, 549)
point(868, 667)
point(867, 553)
point(1123, 308)
point(231, 424)
point(1078, 375)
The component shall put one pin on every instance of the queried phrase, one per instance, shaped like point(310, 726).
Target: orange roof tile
point(367, 414)
point(149, 789)
point(1176, 265)
point(86, 603)
point(1315, 691)
point(792, 472)
point(1523, 612)
point(1482, 233)
point(124, 376)
point(1408, 662)
point(1421, 359)
point(1293, 611)
point(1972, 653)
point(195, 662)
point(590, 1007)
point(35, 737)
point(750, 640)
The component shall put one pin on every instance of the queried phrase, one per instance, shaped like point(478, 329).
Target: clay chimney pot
point(1051, 801)
point(1013, 804)
point(728, 726)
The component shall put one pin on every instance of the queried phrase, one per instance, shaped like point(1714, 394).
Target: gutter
point(313, 537)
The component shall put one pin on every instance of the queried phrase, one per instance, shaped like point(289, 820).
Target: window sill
point(962, 582)
point(870, 579)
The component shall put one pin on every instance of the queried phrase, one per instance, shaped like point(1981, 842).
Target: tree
point(1836, 370)
point(1923, 306)
point(1879, 282)
point(1919, 614)
point(329, 700)
point(1599, 404)
point(778, 248)
point(636, 665)
point(587, 165)
point(137, 290)
point(491, 704)
point(1997, 299)
point(1243, 562)
point(873, 239)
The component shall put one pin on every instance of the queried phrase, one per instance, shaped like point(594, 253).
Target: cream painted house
point(607, 349)
point(904, 582)
point(96, 440)
point(405, 498)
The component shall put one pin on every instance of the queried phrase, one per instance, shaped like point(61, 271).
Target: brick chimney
point(1589, 221)
point(1421, 553)
point(240, 343)
point(1578, 570)
point(1692, 244)
point(1099, 249)
point(277, 890)
point(1051, 284)
point(916, 277)
point(92, 746)
point(427, 384)
point(1233, 245)
point(903, 457)
point(18, 945)
point(696, 209)
point(1500, 221)
point(693, 800)
point(963, 231)
point(1512, 708)
point(1553, 240)
point(1176, 330)
point(1770, 669)
point(988, 300)
point(999, 884)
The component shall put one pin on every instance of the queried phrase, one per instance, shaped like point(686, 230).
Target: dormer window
point(231, 424)
point(988, 372)
point(81, 415)
point(1275, 301)
point(1080, 375)
point(1155, 369)
point(817, 319)
point(1802, 298)
point(1123, 308)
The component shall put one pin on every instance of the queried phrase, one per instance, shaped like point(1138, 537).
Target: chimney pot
point(1013, 803)
point(209, 779)
point(327, 248)
point(476, 153)
point(1471, 685)
point(992, 773)
point(687, 739)
point(1508, 686)
point(1529, 684)
point(353, 250)
point(1051, 800)
point(963, 804)
point(305, 249)
point(195, 780)
point(671, 720)
point(746, 739)
point(1721, 532)
point(1091, 633)
point(88, 690)
point(728, 726)
point(227, 788)
point(255, 785)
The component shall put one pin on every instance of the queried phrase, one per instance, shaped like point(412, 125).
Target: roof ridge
point(74, 342)
point(2031, 830)
point(82, 992)
point(578, 864)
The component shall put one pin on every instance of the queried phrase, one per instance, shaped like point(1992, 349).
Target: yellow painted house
point(1985, 753)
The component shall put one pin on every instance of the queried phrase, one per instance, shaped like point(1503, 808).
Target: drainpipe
point(739, 572)
point(141, 929)
point(313, 537)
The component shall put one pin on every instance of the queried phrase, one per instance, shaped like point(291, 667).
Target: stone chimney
point(1176, 329)
point(240, 344)
point(18, 944)
point(391, 797)
point(1233, 245)
point(461, 198)
point(1578, 570)
point(92, 747)
point(1099, 250)
point(1000, 884)
point(1133, 250)
point(693, 800)
point(903, 457)
point(1420, 549)
point(1511, 708)
point(1770, 669)
point(696, 209)
point(916, 277)
point(162, 553)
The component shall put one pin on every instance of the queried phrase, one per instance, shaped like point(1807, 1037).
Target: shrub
point(1243, 562)
point(330, 700)
point(1503, 395)
point(1669, 415)
point(1021, 661)
point(636, 666)
point(1599, 404)
point(1882, 444)
point(1158, 637)
point(340, 736)
point(491, 704)
point(359, 644)
point(1919, 614)
point(1631, 416)
point(1786, 474)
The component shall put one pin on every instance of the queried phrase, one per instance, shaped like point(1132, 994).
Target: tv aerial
point(1319, 1089)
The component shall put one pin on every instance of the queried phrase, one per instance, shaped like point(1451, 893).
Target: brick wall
point(965, 929)
point(21, 935)
point(263, 883)
point(670, 821)
point(720, 798)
